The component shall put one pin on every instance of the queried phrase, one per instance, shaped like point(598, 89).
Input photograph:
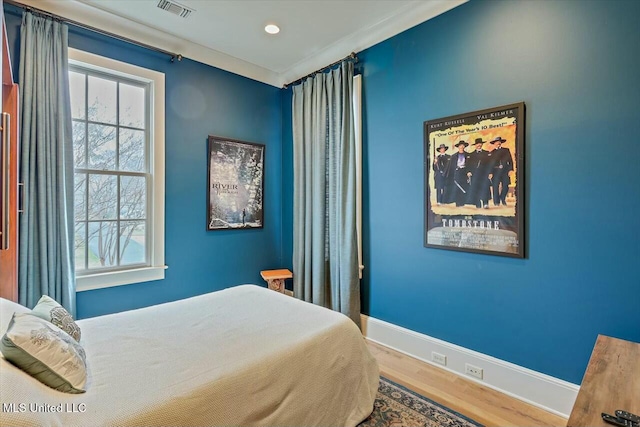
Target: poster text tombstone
point(474, 181)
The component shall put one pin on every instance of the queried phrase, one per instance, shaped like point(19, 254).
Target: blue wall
point(200, 101)
point(575, 64)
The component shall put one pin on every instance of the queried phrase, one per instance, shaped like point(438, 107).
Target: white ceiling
point(230, 34)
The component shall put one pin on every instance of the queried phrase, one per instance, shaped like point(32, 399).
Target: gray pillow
point(45, 352)
point(49, 310)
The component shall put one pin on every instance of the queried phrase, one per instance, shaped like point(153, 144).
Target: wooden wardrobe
point(9, 187)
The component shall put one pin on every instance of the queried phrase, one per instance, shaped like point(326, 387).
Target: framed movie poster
point(474, 181)
point(235, 184)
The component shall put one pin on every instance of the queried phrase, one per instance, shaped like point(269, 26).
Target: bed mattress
point(241, 356)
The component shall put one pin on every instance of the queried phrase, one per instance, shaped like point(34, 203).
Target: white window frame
point(155, 198)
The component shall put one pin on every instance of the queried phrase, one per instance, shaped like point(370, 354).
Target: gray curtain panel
point(46, 263)
point(325, 252)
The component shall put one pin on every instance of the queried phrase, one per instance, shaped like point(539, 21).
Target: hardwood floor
point(485, 405)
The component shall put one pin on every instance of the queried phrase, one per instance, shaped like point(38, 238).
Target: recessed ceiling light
point(272, 29)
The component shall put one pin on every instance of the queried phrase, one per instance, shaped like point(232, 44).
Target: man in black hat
point(502, 166)
point(480, 167)
point(441, 170)
point(459, 162)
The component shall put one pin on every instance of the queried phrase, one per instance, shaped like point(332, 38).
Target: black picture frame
point(474, 201)
point(235, 184)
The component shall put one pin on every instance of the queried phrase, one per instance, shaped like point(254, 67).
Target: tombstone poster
point(236, 181)
point(474, 181)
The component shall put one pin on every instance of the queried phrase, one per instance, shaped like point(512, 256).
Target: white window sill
point(119, 278)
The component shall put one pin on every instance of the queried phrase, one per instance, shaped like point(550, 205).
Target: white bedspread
point(242, 356)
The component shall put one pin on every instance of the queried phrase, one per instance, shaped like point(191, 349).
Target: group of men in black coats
point(471, 177)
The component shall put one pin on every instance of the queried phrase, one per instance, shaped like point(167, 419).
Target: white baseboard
point(544, 391)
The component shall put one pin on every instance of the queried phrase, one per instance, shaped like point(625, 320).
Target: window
point(118, 141)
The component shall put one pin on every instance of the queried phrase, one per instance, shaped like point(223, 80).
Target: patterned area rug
point(397, 406)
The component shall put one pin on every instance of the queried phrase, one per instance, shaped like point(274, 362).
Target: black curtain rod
point(351, 56)
point(174, 56)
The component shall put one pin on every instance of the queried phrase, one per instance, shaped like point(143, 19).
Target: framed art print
point(235, 184)
point(474, 181)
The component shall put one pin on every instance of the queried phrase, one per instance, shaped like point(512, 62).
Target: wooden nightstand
point(275, 278)
point(612, 381)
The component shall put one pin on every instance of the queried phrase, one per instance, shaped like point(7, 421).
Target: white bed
point(242, 356)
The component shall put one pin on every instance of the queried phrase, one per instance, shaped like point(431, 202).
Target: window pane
point(103, 243)
point(132, 242)
point(102, 147)
point(113, 163)
point(103, 196)
point(77, 91)
point(79, 145)
point(102, 100)
point(80, 197)
point(132, 152)
point(80, 244)
point(133, 192)
point(132, 106)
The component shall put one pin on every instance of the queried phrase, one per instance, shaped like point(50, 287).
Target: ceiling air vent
point(175, 8)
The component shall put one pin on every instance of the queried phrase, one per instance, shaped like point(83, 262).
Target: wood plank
point(469, 398)
point(9, 258)
point(276, 274)
point(7, 72)
point(611, 382)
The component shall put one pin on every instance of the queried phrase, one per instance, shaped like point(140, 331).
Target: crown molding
point(405, 18)
point(411, 15)
point(106, 21)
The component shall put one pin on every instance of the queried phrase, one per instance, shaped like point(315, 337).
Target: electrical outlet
point(474, 371)
point(439, 358)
